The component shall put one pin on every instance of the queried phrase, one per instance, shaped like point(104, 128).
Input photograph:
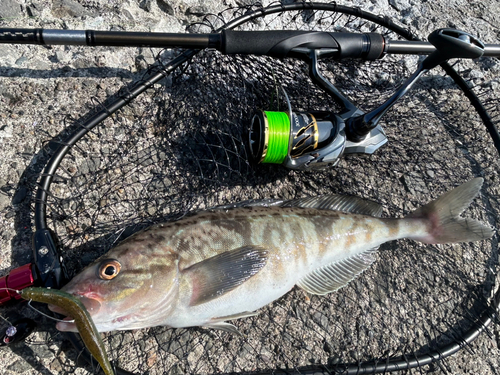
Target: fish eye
point(109, 269)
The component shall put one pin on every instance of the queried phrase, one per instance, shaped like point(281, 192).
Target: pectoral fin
point(222, 273)
point(336, 275)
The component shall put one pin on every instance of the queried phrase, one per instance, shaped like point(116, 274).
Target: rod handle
point(294, 43)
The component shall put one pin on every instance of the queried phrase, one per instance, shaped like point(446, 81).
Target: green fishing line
point(279, 136)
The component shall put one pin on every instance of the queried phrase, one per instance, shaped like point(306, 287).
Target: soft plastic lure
point(75, 309)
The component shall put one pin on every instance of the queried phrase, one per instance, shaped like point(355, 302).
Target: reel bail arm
point(449, 43)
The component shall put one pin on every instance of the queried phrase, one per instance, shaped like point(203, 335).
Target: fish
point(227, 263)
point(82, 320)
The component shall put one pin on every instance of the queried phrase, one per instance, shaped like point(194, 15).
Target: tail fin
point(445, 224)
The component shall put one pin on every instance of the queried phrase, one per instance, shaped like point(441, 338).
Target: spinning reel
point(317, 139)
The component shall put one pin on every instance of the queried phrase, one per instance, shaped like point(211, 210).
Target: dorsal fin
point(333, 276)
point(336, 202)
point(333, 202)
point(251, 203)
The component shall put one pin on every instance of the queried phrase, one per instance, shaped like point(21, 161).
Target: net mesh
point(182, 147)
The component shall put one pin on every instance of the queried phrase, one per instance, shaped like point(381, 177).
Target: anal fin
point(223, 326)
point(220, 324)
point(333, 276)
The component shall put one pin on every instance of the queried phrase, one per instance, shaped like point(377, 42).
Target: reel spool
point(280, 137)
point(306, 140)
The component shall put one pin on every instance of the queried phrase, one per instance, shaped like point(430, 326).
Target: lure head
point(121, 289)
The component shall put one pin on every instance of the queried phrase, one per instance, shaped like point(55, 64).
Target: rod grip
point(292, 43)
point(48, 263)
point(276, 43)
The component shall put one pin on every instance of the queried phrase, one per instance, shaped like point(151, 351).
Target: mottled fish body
point(227, 263)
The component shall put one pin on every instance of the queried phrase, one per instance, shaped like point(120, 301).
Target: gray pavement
point(42, 89)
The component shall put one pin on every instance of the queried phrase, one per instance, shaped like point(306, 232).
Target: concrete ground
point(43, 88)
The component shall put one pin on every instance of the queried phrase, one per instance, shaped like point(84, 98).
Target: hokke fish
point(228, 262)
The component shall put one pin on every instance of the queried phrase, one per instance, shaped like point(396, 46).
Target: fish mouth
point(67, 324)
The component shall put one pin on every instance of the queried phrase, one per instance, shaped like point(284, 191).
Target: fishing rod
point(311, 140)
point(275, 43)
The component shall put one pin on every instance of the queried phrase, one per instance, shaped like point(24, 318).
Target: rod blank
point(109, 38)
point(425, 48)
point(62, 37)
